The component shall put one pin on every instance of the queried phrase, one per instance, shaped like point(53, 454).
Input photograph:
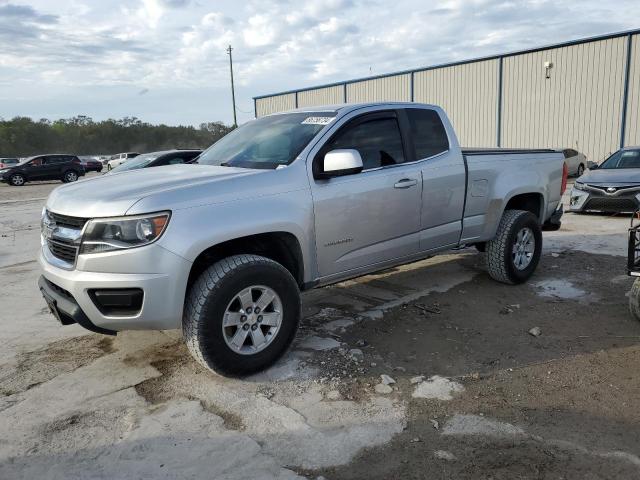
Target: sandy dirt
point(422, 371)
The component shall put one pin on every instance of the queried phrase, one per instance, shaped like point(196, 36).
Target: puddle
point(319, 343)
point(477, 425)
point(341, 324)
point(557, 288)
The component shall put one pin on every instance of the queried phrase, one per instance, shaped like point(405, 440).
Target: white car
point(576, 161)
point(120, 158)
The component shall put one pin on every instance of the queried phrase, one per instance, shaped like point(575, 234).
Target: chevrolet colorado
point(285, 203)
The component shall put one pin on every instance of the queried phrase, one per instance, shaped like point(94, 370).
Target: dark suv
point(44, 167)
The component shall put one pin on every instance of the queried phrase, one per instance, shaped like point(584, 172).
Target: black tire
point(580, 170)
point(17, 180)
point(207, 301)
point(634, 299)
point(500, 259)
point(70, 176)
point(108, 167)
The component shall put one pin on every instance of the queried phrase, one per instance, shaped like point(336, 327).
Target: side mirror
point(341, 162)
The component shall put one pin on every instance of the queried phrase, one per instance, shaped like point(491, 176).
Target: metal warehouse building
point(583, 94)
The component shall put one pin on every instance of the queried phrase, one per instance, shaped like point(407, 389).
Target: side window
point(567, 153)
point(176, 160)
point(378, 141)
point(36, 162)
point(189, 156)
point(428, 133)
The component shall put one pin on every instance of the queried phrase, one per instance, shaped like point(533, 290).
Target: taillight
point(565, 176)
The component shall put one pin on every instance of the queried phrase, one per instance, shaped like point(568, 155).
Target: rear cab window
point(427, 132)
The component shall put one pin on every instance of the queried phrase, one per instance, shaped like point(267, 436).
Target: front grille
point(611, 204)
point(63, 251)
point(617, 188)
point(67, 221)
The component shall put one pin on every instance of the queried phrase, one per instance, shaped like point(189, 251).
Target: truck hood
point(114, 194)
point(611, 176)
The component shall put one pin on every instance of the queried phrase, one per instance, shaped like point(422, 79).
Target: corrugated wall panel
point(277, 103)
point(579, 106)
point(468, 93)
point(395, 88)
point(321, 96)
point(632, 130)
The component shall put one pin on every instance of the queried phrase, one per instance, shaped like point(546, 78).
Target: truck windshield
point(267, 142)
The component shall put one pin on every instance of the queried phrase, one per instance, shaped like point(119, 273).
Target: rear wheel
point(69, 176)
point(580, 170)
point(514, 253)
point(241, 314)
point(17, 180)
point(634, 299)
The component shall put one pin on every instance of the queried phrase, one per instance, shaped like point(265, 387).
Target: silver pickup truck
point(285, 203)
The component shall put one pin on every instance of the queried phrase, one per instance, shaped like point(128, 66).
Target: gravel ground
point(429, 370)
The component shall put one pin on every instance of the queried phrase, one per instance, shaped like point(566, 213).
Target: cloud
point(178, 47)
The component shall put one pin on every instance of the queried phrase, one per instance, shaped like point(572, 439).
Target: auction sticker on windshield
point(317, 120)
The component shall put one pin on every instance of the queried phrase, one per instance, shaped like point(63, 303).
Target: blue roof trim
point(460, 62)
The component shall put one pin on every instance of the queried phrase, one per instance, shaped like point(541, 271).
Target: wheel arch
point(530, 201)
point(279, 246)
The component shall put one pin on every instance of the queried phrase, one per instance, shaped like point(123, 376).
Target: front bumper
point(598, 201)
point(163, 287)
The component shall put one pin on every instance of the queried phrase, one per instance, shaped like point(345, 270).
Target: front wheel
point(69, 176)
point(241, 314)
point(514, 253)
point(580, 170)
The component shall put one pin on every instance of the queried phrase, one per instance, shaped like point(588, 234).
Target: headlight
point(109, 234)
point(579, 186)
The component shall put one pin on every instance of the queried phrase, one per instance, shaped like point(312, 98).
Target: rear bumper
point(555, 221)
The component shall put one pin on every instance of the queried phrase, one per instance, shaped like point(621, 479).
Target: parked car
point(285, 203)
point(120, 158)
point(157, 159)
point(576, 161)
point(8, 162)
point(90, 164)
point(611, 187)
point(67, 168)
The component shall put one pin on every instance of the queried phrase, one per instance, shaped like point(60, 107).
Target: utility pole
point(233, 92)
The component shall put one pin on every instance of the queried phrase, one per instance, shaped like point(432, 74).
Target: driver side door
point(373, 216)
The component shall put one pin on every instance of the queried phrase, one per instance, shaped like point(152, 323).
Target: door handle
point(405, 183)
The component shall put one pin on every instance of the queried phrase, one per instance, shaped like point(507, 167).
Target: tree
point(81, 135)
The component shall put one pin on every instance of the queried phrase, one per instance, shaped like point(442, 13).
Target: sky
point(165, 61)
